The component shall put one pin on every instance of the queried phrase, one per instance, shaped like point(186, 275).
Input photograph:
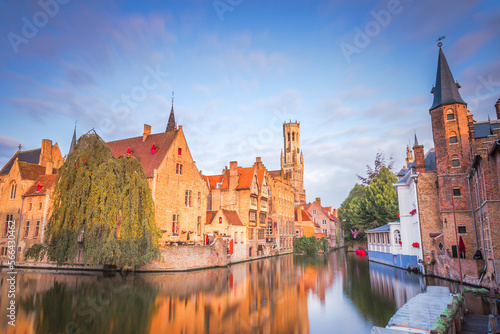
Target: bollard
point(493, 324)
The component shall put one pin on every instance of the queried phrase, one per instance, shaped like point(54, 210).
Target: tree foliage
point(373, 203)
point(372, 173)
point(107, 201)
point(310, 245)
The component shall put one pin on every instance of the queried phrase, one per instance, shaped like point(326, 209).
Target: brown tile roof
point(246, 177)
point(260, 176)
point(31, 156)
point(30, 171)
point(142, 150)
point(275, 173)
point(46, 181)
point(210, 217)
point(232, 217)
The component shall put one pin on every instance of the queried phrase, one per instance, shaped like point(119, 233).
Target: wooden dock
point(479, 324)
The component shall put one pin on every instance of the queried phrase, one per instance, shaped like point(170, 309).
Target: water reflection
point(337, 293)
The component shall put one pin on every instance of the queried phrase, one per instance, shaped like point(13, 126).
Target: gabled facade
point(305, 224)
point(325, 218)
point(227, 224)
point(246, 191)
point(178, 188)
point(16, 178)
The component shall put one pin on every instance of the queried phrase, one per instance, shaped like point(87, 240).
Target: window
point(235, 237)
point(37, 229)
point(462, 229)
point(455, 162)
point(253, 201)
point(397, 237)
point(178, 169)
point(263, 203)
point(250, 234)
point(199, 199)
point(7, 220)
point(440, 246)
point(13, 189)
point(187, 199)
point(262, 219)
point(269, 228)
point(288, 136)
point(198, 226)
point(27, 230)
point(252, 216)
point(293, 136)
point(30, 206)
point(450, 115)
point(297, 233)
point(40, 206)
point(314, 212)
point(453, 138)
point(324, 221)
point(179, 151)
point(456, 192)
point(324, 231)
point(175, 224)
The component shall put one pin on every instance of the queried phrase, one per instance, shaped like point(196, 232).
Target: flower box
point(415, 245)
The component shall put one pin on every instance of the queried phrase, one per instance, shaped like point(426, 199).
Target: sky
point(357, 75)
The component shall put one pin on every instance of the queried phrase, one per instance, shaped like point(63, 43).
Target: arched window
point(450, 115)
point(293, 136)
point(397, 237)
point(13, 189)
point(453, 137)
point(288, 136)
point(455, 162)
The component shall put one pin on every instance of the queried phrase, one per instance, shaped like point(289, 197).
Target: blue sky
point(357, 75)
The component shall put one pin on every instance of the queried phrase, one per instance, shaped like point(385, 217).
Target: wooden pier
point(480, 324)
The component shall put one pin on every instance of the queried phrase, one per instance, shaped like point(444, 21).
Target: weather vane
point(172, 97)
point(440, 39)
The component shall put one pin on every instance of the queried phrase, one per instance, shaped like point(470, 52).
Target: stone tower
point(292, 163)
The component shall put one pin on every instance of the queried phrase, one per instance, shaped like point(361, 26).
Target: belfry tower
point(292, 163)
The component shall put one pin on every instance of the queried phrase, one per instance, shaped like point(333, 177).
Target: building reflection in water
point(274, 295)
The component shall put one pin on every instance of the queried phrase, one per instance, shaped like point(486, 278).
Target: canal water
point(335, 293)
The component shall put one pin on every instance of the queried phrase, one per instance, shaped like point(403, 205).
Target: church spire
point(446, 89)
point(73, 141)
point(171, 126)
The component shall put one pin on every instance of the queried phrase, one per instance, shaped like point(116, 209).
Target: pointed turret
point(73, 142)
point(446, 89)
point(171, 121)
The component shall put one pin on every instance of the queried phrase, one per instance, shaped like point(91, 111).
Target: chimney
point(147, 132)
point(258, 162)
point(318, 200)
point(497, 108)
point(233, 174)
point(419, 158)
point(299, 214)
point(46, 152)
point(49, 168)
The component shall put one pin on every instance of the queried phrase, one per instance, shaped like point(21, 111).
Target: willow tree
point(105, 203)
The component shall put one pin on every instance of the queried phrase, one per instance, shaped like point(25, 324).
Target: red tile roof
point(212, 181)
point(260, 176)
point(142, 150)
point(46, 181)
point(232, 217)
point(210, 217)
point(246, 177)
point(30, 171)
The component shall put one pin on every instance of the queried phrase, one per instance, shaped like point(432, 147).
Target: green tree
point(350, 210)
point(108, 201)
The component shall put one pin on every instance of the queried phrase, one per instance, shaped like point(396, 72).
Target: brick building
point(327, 220)
point(305, 225)
point(459, 202)
point(178, 188)
point(245, 191)
point(25, 170)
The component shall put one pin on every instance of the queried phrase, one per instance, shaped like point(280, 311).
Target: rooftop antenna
point(440, 44)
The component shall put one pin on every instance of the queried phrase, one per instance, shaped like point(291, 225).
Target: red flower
point(415, 244)
point(84, 160)
point(401, 243)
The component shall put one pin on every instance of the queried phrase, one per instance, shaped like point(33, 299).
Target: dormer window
point(153, 149)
